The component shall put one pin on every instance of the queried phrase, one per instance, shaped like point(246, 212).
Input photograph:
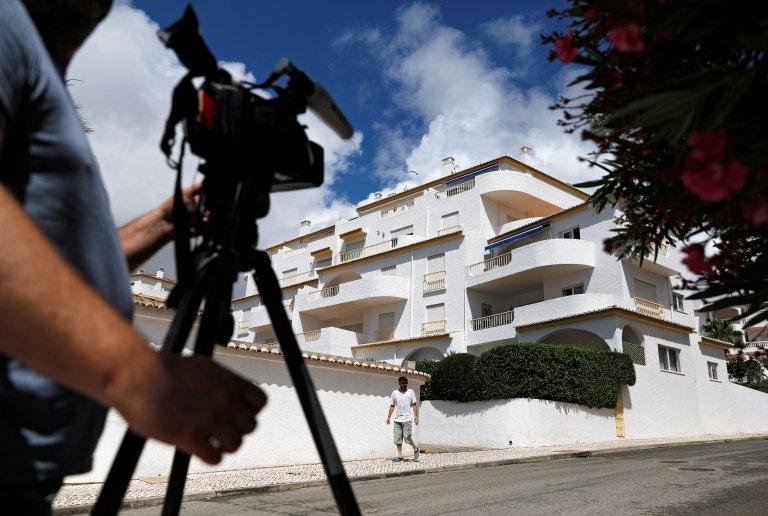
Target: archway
point(629, 336)
point(426, 353)
point(574, 337)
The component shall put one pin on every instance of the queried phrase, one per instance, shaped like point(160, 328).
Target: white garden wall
point(355, 401)
point(515, 422)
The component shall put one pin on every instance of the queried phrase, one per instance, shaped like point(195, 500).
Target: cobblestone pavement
point(217, 483)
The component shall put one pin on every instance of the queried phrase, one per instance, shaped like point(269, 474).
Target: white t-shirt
point(402, 402)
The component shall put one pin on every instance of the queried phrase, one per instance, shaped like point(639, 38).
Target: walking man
point(402, 401)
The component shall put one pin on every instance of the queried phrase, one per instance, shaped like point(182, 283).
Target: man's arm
point(389, 415)
point(53, 322)
point(145, 235)
point(415, 413)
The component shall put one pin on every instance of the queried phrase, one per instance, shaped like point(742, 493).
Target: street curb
point(228, 493)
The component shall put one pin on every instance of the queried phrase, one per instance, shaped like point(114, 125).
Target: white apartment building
point(495, 253)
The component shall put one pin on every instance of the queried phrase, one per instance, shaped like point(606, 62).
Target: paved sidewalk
point(74, 498)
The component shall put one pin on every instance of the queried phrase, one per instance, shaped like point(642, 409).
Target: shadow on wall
point(458, 409)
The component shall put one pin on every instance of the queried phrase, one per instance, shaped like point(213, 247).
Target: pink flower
point(756, 212)
point(627, 39)
point(710, 170)
point(696, 261)
point(565, 50)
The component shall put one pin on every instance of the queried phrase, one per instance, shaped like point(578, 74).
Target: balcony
point(449, 230)
point(331, 341)
point(434, 281)
point(368, 250)
point(258, 318)
point(649, 308)
point(382, 334)
point(531, 263)
point(353, 295)
point(297, 278)
point(394, 211)
point(455, 190)
point(433, 328)
point(492, 321)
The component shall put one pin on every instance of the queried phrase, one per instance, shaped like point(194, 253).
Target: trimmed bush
point(543, 371)
point(426, 366)
point(453, 378)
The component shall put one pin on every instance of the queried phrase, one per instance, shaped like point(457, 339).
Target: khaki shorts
point(403, 431)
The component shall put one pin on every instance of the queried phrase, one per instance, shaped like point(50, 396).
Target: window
point(573, 290)
point(436, 312)
point(669, 359)
point(645, 290)
point(353, 246)
point(387, 321)
point(326, 262)
point(290, 272)
point(677, 302)
point(389, 271)
point(450, 220)
point(486, 310)
point(408, 230)
point(712, 370)
point(436, 263)
point(574, 232)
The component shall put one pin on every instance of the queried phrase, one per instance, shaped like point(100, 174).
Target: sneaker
point(397, 459)
point(416, 455)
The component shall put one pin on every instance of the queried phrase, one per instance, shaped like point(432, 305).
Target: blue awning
point(519, 236)
point(469, 176)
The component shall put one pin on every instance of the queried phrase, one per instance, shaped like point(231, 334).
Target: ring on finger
point(214, 442)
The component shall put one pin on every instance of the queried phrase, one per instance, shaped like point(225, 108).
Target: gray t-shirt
point(46, 430)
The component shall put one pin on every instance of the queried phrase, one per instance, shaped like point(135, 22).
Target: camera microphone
point(319, 101)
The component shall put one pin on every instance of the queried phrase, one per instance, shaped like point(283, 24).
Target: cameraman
point(67, 349)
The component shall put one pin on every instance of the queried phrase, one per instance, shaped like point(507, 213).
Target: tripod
point(235, 204)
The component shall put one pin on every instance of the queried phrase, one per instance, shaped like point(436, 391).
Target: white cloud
point(468, 107)
point(124, 79)
point(513, 31)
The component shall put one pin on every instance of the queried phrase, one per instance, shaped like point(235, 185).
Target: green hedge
point(426, 366)
point(543, 371)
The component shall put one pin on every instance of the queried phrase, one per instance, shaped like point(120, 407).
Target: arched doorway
point(425, 353)
point(574, 337)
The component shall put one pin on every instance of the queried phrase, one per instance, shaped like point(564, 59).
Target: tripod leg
point(115, 486)
point(268, 286)
point(175, 492)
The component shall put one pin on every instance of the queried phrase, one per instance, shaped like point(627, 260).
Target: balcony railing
point(295, 252)
point(242, 326)
point(433, 327)
point(296, 278)
point(500, 261)
point(491, 321)
point(383, 334)
point(394, 211)
point(756, 345)
point(448, 231)
point(308, 336)
point(650, 308)
point(368, 251)
point(455, 190)
point(434, 281)
point(317, 295)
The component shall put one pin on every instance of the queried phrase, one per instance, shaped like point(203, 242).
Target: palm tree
point(722, 330)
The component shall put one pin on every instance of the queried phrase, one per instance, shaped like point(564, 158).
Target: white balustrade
point(433, 327)
point(434, 281)
point(382, 334)
point(448, 231)
point(296, 278)
point(368, 251)
point(649, 308)
point(242, 326)
point(491, 321)
point(308, 336)
point(455, 190)
point(500, 261)
point(394, 211)
point(317, 295)
point(295, 252)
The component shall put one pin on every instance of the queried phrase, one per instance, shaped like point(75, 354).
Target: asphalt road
point(725, 478)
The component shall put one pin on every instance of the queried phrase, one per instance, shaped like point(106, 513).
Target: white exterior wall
point(355, 403)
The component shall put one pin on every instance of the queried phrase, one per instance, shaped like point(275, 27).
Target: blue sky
point(310, 33)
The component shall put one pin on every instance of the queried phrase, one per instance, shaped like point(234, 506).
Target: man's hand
point(144, 236)
point(188, 402)
point(387, 420)
point(416, 421)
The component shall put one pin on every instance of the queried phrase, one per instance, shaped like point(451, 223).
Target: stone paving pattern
point(216, 483)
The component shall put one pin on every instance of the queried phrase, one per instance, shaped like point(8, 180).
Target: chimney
point(448, 166)
point(377, 196)
point(526, 155)
point(304, 227)
point(160, 272)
